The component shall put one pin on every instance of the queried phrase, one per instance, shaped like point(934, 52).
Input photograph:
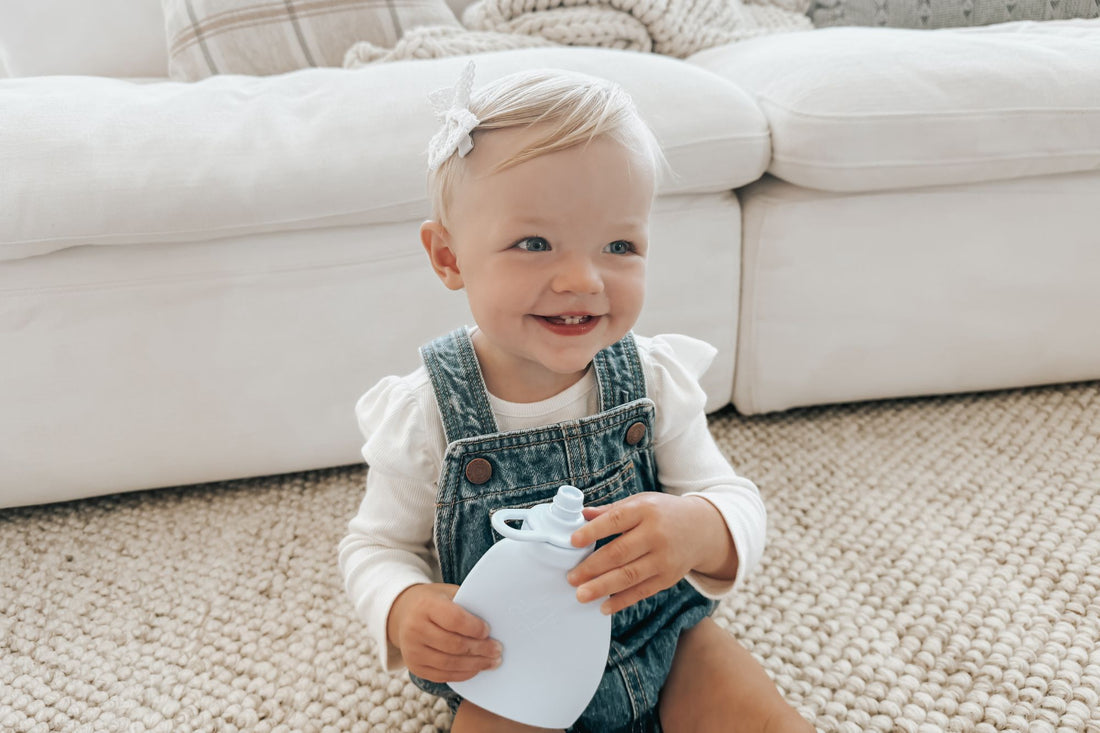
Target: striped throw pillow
point(255, 37)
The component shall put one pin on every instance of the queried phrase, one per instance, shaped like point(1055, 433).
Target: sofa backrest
point(120, 38)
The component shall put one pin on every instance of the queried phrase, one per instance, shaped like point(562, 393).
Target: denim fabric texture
point(528, 466)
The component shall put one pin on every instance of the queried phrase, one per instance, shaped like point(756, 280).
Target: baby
point(542, 184)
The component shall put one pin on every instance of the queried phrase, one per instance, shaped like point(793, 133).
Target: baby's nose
point(578, 275)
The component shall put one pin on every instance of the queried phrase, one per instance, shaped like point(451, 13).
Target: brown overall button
point(479, 471)
point(635, 433)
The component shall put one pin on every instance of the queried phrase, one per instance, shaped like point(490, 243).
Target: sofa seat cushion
point(885, 294)
point(109, 162)
point(859, 109)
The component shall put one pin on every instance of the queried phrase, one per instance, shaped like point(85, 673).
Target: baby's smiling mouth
point(569, 320)
point(570, 324)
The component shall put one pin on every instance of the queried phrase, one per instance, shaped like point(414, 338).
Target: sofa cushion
point(855, 109)
point(859, 296)
point(106, 37)
point(256, 37)
point(103, 161)
point(945, 13)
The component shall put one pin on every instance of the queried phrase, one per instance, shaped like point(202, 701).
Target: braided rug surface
point(933, 565)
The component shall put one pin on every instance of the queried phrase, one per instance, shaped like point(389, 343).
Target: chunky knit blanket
point(671, 27)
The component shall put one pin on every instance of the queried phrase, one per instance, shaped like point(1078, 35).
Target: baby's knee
point(716, 681)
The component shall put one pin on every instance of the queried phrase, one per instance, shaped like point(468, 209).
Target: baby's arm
point(389, 570)
point(693, 466)
point(708, 524)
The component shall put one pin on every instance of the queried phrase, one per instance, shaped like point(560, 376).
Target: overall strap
point(464, 401)
point(619, 374)
point(459, 387)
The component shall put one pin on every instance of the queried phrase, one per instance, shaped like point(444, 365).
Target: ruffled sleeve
point(397, 438)
point(673, 364)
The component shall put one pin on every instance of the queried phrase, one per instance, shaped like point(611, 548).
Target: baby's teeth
point(573, 320)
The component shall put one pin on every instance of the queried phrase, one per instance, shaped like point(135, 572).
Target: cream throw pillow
point(208, 37)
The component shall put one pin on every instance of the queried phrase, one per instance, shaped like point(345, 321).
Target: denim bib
point(608, 456)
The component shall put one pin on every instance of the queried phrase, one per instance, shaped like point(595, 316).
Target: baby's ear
point(437, 243)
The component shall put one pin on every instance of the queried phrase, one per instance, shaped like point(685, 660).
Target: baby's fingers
point(456, 645)
point(618, 553)
point(607, 520)
point(452, 617)
point(440, 667)
point(618, 580)
point(461, 662)
point(445, 657)
point(629, 597)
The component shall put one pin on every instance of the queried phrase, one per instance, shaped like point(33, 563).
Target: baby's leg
point(472, 719)
point(716, 684)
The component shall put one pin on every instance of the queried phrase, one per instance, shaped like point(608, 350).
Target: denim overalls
point(609, 456)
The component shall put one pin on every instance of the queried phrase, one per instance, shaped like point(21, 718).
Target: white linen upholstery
point(173, 363)
point(921, 291)
point(120, 38)
point(233, 156)
point(857, 109)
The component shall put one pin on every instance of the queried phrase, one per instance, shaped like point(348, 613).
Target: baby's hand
point(439, 639)
point(662, 538)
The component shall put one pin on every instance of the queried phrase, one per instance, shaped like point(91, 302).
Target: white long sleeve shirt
point(389, 545)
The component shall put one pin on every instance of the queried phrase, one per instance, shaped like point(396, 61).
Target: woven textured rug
point(933, 565)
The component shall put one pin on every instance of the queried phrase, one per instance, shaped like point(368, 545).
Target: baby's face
point(551, 253)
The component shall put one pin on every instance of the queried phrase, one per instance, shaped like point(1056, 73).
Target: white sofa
point(198, 280)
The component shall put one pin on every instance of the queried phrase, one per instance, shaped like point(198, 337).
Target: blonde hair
point(573, 108)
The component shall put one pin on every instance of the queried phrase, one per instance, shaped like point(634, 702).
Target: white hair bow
point(452, 106)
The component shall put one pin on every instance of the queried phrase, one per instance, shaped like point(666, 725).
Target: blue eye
point(533, 244)
point(620, 247)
